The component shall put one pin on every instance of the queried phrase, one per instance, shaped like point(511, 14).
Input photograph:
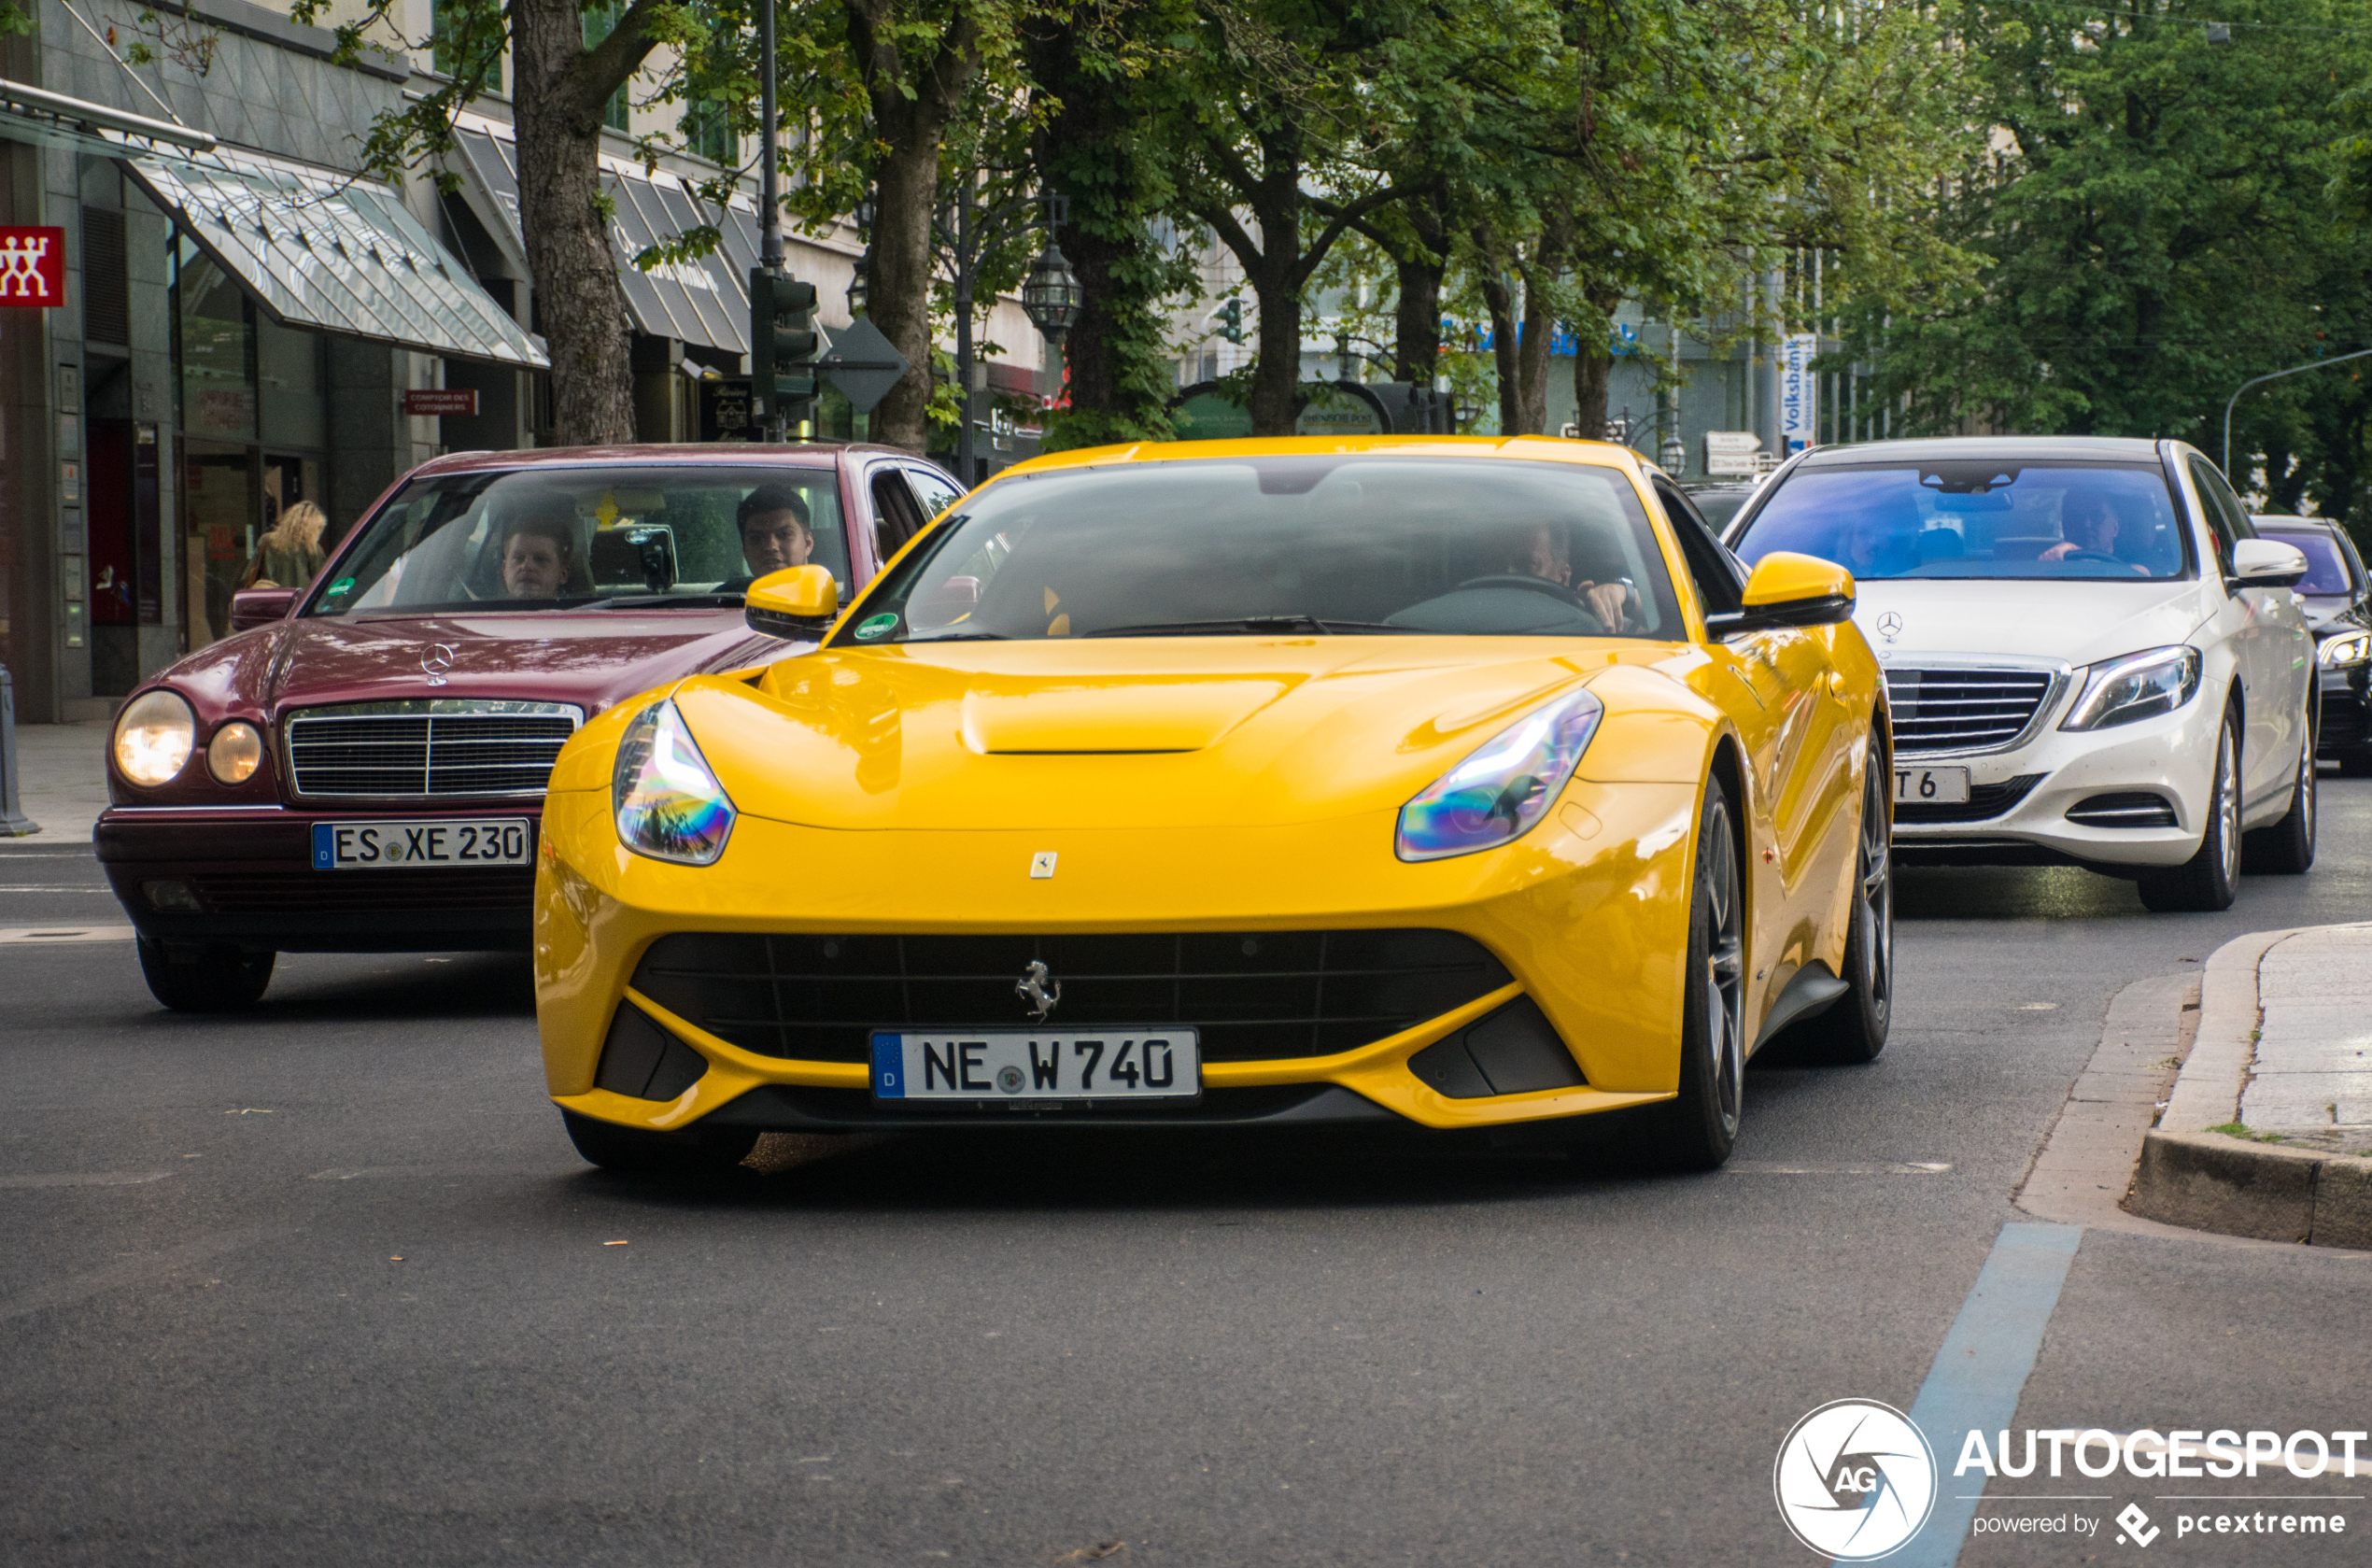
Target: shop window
point(216, 349)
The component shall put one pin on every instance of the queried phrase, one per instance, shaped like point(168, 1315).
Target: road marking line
point(1981, 1366)
point(135, 1271)
point(86, 1178)
point(1835, 1167)
point(60, 934)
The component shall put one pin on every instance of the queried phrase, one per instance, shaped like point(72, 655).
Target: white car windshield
point(1318, 544)
point(557, 536)
point(1972, 517)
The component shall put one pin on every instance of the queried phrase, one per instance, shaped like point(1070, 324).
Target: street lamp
point(1052, 294)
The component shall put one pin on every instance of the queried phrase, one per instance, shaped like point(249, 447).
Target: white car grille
point(1963, 710)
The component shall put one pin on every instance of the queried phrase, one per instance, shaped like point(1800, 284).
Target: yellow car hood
point(1170, 732)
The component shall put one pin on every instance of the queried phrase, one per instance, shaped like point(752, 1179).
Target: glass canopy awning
point(322, 250)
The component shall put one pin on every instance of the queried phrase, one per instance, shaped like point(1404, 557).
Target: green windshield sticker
point(344, 585)
point(876, 626)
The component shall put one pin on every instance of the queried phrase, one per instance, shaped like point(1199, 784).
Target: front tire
point(1702, 1126)
point(2286, 849)
point(636, 1152)
point(2209, 880)
point(215, 978)
point(1853, 1028)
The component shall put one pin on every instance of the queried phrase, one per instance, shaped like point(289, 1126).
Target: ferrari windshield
point(564, 537)
point(1302, 545)
point(1976, 517)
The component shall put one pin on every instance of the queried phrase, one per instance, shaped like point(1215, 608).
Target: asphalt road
point(327, 1284)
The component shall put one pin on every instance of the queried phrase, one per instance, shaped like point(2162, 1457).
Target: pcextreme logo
point(1855, 1480)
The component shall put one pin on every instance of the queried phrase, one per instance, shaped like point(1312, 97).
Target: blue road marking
point(1981, 1369)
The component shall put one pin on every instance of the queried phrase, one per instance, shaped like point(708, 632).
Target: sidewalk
point(2267, 1132)
point(62, 779)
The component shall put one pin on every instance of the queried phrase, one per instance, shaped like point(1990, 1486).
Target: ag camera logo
point(1855, 1480)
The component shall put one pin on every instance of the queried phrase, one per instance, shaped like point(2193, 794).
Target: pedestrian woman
point(290, 556)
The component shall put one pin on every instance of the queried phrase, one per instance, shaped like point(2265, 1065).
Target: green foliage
point(2155, 222)
point(16, 21)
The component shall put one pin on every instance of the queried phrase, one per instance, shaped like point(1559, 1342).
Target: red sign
point(432, 400)
point(33, 268)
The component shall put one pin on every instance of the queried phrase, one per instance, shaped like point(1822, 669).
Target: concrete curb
point(2208, 1180)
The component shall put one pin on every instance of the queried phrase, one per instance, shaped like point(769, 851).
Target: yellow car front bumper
point(1588, 913)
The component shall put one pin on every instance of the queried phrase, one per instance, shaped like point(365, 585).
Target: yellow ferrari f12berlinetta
point(1447, 782)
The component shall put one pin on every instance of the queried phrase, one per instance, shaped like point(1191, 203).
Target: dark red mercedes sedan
point(360, 766)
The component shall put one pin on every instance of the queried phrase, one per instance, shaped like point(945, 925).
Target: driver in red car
point(539, 554)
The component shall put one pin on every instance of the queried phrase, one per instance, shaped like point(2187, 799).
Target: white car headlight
point(1496, 795)
point(2353, 648)
point(154, 736)
point(670, 806)
point(2136, 686)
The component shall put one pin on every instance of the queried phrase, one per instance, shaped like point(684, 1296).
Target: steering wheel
point(2094, 555)
point(1518, 580)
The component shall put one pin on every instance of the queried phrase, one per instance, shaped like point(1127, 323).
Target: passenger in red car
point(539, 555)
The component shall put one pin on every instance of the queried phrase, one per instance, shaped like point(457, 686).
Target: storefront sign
point(1798, 392)
point(430, 401)
point(725, 410)
point(33, 268)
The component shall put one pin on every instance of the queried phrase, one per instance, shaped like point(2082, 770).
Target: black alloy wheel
point(1702, 1126)
point(636, 1152)
point(2209, 880)
point(2286, 849)
point(1853, 1028)
point(215, 978)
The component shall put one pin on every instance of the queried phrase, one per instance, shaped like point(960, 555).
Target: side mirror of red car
point(796, 604)
point(254, 607)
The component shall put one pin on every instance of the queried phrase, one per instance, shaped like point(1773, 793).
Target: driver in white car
point(2091, 524)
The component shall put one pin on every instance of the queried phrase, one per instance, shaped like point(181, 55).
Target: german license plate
point(373, 846)
point(1931, 786)
point(1014, 1064)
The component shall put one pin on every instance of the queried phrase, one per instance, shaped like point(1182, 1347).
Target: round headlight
point(234, 753)
point(154, 736)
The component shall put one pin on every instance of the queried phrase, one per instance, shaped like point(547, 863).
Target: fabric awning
point(323, 249)
point(705, 301)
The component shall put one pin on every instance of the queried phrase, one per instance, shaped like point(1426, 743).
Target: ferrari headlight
point(1496, 795)
point(670, 806)
point(2136, 686)
point(154, 736)
point(2353, 648)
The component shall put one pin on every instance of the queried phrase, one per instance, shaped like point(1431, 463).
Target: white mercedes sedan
point(2092, 658)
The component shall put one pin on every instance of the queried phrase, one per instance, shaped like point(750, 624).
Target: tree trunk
point(1275, 400)
point(580, 305)
point(1593, 368)
point(1416, 311)
point(1532, 362)
point(912, 103)
point(1500, 300)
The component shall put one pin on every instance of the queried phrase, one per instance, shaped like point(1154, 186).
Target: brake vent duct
point(2133, 808)
point(644, 1062)
point(1509, 1050)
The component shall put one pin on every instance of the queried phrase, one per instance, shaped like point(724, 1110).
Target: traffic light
point(782, 348)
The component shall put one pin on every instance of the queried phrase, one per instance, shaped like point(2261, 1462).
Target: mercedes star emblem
point(1889, 626)
point(435, 660)
point(1034, 988)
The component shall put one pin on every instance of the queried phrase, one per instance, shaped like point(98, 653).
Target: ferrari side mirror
point(798, 605)
point(1789, 589)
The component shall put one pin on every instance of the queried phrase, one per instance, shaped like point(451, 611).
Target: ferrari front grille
point(1253, 995)
point(439, 747)
point(1963, 710)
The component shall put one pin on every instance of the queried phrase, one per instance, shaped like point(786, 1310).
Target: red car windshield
point(564, 537)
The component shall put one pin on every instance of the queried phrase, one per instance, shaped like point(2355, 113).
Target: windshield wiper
point(959, 637)
point(670, 601)
point(1248, 626)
